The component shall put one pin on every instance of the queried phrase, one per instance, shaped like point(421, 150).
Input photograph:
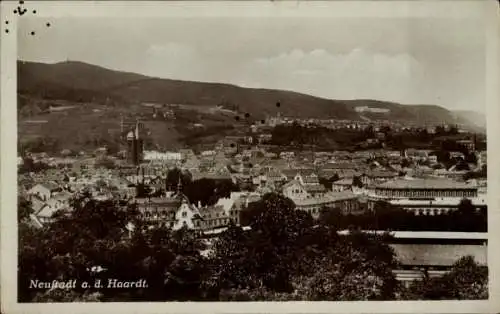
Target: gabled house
point(45, 190)
point(173, 210)
point(294, 190)
point(43, 211)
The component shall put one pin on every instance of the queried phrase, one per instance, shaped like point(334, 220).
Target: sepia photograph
point(259, 152)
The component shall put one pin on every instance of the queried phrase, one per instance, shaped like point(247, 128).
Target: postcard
point(249, 156)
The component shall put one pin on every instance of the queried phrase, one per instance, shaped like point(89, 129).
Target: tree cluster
point(466, 281)
point(276, 260)
point(29, 165)
point(299, 136)
point(392, 218)
point(205, 191)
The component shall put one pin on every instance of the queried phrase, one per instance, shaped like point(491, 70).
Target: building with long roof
point(427, 196)
point(424, 188)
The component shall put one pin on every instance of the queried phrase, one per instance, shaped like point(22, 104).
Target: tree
point(276, 228)
point(24, 209)
point(356, 181)
point(467, 280)
point(67, 247)
point(173, 177)
point(97, 234)
point(405, 163)
point(231, 268)
point(29, 165)
point(142, 190)
point(209, 191)
point(462, 165)
point(328, 182)
point(465, 207)
point(358, 267)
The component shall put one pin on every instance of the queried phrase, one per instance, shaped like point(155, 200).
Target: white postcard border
point(8, 188)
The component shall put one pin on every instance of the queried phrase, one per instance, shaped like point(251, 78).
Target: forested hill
point(81, 82)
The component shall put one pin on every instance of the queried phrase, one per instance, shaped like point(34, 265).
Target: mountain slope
point(470, 117)
point(81, 82)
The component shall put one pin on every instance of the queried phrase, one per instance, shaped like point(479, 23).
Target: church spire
point(179, 185)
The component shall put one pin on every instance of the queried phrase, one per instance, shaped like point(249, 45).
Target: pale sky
point(414, 60)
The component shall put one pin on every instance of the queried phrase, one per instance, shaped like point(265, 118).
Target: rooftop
point(425, 183)
point(326, 199)
point(380, 173)
point(314, 187)
point(343, 181)
point(342, 195)
point(438, 254)
point(51, 186)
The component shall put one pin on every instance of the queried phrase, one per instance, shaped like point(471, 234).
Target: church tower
point(135, 144)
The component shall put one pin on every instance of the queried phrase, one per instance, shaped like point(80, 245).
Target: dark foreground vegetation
point(388, 217)
point(278, 259)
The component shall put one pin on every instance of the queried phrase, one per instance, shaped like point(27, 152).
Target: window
point(184, 214)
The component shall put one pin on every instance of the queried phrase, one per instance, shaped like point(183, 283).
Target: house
point(428, 196)
point(295, 190)
point(191, 162)
point(346, 202)
point(275, 176)
point(416, 154)
point(287, 155)
point(265, 137)
point(173, 210)
point(186, 215)
point(208, 153)
point(457, 156)
point(303, 187)
point(377, 176)
point(161, 156)
point(45, 190)
point(225, 211)
point(43, 211)
point(222, 173)
point(344, 184)
point(468, 144)
point(348, 166)
point(186, 153)
point(433, 158)
point(292, 173)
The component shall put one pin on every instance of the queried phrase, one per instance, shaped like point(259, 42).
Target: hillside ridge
point(82, 82)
